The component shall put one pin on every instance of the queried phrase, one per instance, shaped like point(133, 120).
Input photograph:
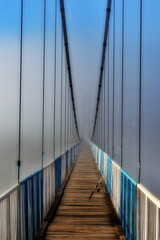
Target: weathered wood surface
point(79, 218)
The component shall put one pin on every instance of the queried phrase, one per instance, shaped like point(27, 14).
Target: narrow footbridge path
point(77, 217)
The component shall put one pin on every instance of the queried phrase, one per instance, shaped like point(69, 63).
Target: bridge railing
point(137, 208)
point(23, 209)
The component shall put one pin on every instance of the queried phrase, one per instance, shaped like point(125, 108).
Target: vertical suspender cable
point(70, 125)
point(20, 93)
point(108, 101)
point(65, 137)
point(76, 140)
point(103, 114)
point(122, 84)
point(75, 135)
point(100, 126)
point(68, 61)
point(104, 108)
point(102, 119)
point(67, 116)
point(96, 136)
point(73, 132)
point(97, 131)
point(61, 92)
point(68, 120)
point(99, 116)
point(43, 97)
point(100, 122)
point(140, 94)
point(55, 66)
point(73, 139)
point(113, 75)
point(102, 61)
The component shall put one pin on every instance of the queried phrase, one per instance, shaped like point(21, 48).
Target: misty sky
point(85, 23)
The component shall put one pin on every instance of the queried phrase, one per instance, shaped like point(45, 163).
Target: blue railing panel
point(31, 206)
point(102, 163)
point(128, 203)
point(58, 173)
point(109, 174)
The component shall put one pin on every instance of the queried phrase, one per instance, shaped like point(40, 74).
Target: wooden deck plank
point(79, 218)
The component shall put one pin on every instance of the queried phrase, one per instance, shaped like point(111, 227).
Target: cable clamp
point(62, 9)
point(19, 163)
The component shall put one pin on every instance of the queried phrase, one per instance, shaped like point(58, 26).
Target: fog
point(85, 23)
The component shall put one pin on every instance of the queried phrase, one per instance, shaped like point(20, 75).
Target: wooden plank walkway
point(79, 218)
